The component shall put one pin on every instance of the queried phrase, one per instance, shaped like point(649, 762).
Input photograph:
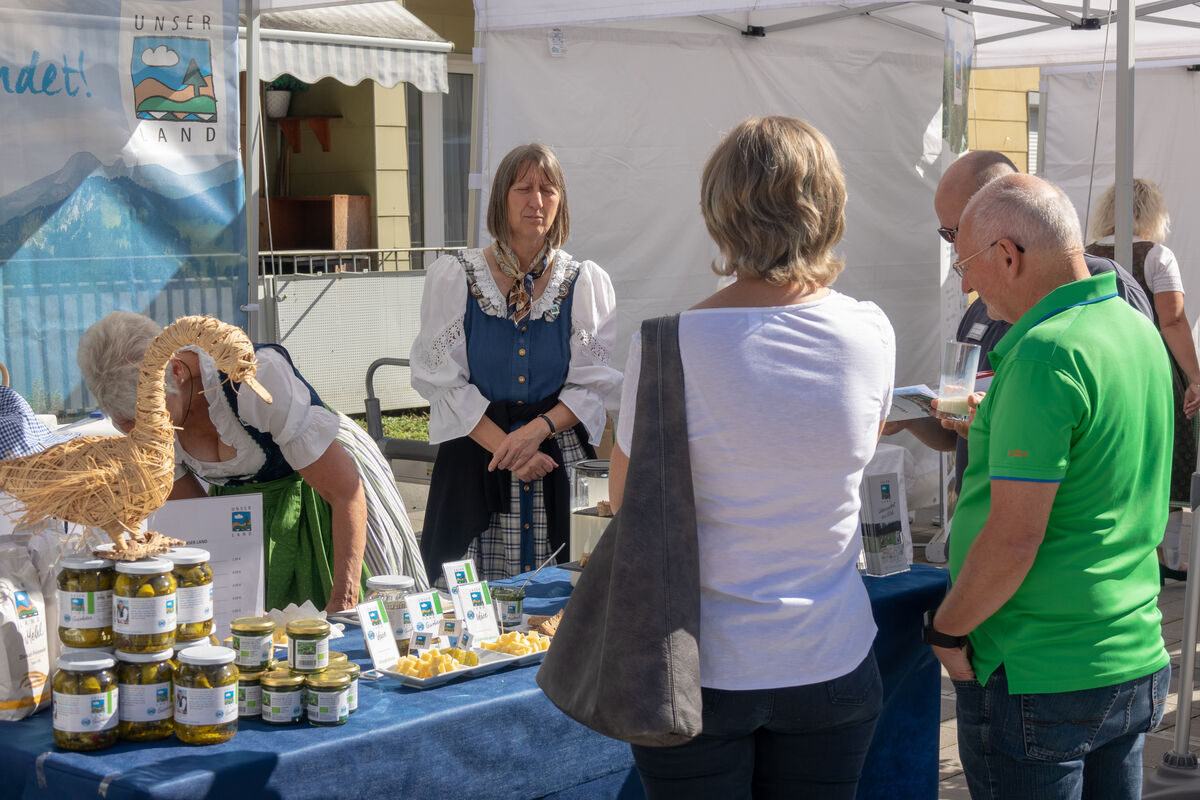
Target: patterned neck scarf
point(520, 296)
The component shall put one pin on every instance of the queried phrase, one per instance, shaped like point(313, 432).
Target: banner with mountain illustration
point(122, 185)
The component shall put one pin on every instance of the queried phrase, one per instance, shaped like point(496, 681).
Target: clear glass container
point(328, 700)
point(85, 601)
point(354, 670)
point(85, 715)
point(253, 641)
point(391, 590)
point(283, 697)
point(308, 645)
point(144, 606)
point(250, 692)
point(193, 593)
point(145, 695)
point(589, 498)
point(206, 688)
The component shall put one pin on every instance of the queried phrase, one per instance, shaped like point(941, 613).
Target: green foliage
point(404, 425)
point(288, 83)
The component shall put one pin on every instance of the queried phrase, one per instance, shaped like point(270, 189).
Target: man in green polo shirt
point(1063, 502)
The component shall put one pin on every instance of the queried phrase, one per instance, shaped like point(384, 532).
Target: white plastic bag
point(26, 628)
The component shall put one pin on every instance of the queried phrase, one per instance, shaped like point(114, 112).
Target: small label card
point(458, 573)
point(421, 642)
point(378, 634)
point(479, 616)
point(450, 631)
point(425, 610)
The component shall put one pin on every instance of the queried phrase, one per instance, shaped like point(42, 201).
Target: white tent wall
point(634, 109)
point(1167, 114)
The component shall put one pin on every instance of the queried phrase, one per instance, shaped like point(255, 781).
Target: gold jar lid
point(336, 657)
point(250, 675)
point(354, 670)
point(308, 627)
point(329, 680)
point(253, 624)
point(281, 679)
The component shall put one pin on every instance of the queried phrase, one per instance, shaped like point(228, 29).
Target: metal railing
point(327, 262)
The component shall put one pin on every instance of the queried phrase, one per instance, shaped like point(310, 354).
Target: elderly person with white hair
point(329, 500)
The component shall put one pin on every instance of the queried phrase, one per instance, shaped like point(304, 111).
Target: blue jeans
point(798, 741)
point(1085, 744)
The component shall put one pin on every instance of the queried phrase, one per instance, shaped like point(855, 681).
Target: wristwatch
point(933, 636)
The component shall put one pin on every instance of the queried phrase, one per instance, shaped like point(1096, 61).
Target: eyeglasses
point(960, 266)
point(949, 234)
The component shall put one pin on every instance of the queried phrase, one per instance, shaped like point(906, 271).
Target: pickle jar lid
point(251, 674)
point(144, 658)
point(308, 627)
point(336, 657)
point(349, 667)
point(86, 662)
point(187, 555)
point(84, 562)
point(391, 582)
point(282, 679)
point(206, 655)
point(329, 679)
point(146, 566)
point(253, 624)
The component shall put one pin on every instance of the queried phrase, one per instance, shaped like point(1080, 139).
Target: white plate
point(489, 661)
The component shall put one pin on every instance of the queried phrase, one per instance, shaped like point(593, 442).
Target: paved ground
point(952, 784)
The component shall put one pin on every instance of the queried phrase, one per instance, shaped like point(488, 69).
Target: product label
point(249, 700)
point(144, 703)
point(425, 610)
point(85, 713)
point(143, 614)
point(328, 706)
point(206, 706)
point(352, 700)
point(282, 706)
point(195, 604)
point(252, 651)
point(85, 609)
point(308, 653)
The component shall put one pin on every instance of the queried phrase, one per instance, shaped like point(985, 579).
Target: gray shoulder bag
point(625, 661)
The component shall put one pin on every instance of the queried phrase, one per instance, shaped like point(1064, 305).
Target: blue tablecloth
point(494, 736)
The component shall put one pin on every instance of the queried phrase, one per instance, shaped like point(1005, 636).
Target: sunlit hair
point(773, 198)
point(110, 357)
point(1150, 218)
point(511, 168)
point(1031, 212)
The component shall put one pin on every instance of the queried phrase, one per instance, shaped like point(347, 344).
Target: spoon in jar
point(543, 564)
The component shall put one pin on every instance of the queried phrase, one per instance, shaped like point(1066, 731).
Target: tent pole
point(475, 180)
point(1124, 135)
point(253, 124)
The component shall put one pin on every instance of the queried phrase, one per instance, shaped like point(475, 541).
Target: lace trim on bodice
point(482, 286)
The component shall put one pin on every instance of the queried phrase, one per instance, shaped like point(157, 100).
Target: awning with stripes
point(380, 41)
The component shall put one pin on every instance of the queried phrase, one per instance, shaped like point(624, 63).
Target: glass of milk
point(960, 362)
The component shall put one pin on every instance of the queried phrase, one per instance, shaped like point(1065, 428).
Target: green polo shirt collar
point(1076, 293)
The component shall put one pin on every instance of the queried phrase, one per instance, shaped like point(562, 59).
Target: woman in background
point(1156, 269)
point(787, 384)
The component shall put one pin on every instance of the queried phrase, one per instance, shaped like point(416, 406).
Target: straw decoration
point(115, 482)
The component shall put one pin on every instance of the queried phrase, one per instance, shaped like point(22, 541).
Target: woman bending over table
point(513, 356)
point(787, 383)
point(329, 498)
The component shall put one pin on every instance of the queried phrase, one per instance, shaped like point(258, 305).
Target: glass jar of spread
point(193, 593)
point(206, 688)
point(85, 599)
point(509, 601)
point(353, 670)
point(253, 642)
point(391, 590)
point(144, 692)
point(250, 692)
point(283, 697)
point(328, 697)
point(85, 702)
point(144, 606)
point(308, 645)
point(336, 658)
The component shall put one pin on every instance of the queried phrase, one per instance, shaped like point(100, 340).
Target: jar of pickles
point(206, 689)
point(354, 671)
point(144, 606)
point(308, 645)
point(194, 592)
point(328, 698)
point(85, 702)
point(85, 600)
point(250, 692)
point(144, 691)
point(253, 642)
point(391, 591)
point(283, 698)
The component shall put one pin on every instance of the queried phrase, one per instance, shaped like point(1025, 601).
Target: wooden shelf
point(319, 125)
